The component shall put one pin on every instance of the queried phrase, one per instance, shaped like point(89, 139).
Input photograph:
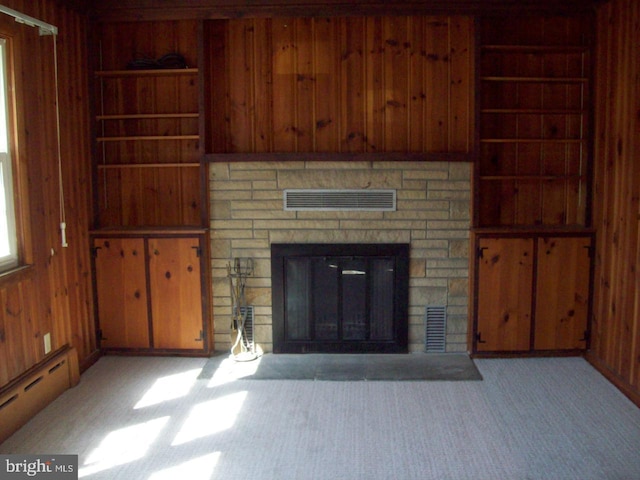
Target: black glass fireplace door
point(340, 304)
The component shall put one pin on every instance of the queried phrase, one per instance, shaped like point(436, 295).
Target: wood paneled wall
point(54, 294)
point(350, 84)
point(616, 321)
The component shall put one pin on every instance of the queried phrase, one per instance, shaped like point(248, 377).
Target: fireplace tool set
point(243, 348)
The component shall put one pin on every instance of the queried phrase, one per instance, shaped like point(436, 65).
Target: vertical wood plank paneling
point(396, 72)
point(352, 123)
point(326, 42)
point(344, 84)
point(216, 77)
point(240, 89)
point(284, 85)
point(437, 85)
point(54, 296)
point(305, 85)
point(461, 111)
point(263, 87)
point(616, 319)
point(417, 90)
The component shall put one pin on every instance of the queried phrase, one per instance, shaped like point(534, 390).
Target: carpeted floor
point(149, 418)
point(347, 367)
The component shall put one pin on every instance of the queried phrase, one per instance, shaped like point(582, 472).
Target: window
point(8, 231)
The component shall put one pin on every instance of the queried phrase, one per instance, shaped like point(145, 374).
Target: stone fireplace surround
point(433, 216)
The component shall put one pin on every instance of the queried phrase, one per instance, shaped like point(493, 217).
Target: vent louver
point(341, 200)
point(435, 320)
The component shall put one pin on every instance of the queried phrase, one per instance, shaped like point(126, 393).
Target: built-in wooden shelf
point(160, 72)
point(535, 111)
point(533, 140)
point(147, 116)
point(547, 49)
point(147, 137)
point(148, 165)
point(536, 79)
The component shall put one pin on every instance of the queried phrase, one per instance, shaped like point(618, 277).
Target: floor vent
point(435, 320)
point(249, 327)
point(340, 200)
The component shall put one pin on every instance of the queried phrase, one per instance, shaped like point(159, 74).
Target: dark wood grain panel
point(616, 320)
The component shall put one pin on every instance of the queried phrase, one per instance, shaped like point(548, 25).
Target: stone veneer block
point(433, 216)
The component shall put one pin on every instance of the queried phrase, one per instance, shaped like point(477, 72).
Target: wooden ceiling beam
point(147, 10)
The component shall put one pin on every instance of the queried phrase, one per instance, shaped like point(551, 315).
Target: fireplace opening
point(340, 298)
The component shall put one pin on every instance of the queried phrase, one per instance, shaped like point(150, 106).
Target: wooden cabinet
point(176, 292)
point(151, 203)
point(151, 293)
point(562, 293)
point(122, 292)
point(532, 293)
point(504, 294)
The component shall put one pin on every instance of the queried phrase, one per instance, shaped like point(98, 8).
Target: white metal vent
point(249, 324)
point(326, 200)
point(435, 320)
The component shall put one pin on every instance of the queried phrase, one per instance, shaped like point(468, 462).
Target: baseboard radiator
point(21, 399)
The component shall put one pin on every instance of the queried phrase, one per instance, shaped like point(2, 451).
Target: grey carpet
point(151, 418)
point(348, 367)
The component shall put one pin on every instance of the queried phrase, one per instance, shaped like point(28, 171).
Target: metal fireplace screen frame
point(340, 298)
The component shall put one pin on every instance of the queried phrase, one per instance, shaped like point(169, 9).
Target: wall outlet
point(47, 343)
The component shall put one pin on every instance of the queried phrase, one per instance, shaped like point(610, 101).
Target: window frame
point(12, 258)
point(11, 34)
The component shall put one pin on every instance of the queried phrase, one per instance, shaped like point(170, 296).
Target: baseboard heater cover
point(21, 399)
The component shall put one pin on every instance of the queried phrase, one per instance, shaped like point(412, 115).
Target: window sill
point(15, 274)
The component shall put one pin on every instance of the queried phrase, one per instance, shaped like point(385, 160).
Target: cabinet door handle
point(479, 338)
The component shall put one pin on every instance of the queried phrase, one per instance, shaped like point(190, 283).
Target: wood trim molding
point(620, 384)
point(340, 157)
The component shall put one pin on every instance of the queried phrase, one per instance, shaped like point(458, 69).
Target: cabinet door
point(562, 293)
point(505, 279)
point(176, 293)
point(122, 292)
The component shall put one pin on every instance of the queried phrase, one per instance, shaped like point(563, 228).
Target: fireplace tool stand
point(242, 350)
